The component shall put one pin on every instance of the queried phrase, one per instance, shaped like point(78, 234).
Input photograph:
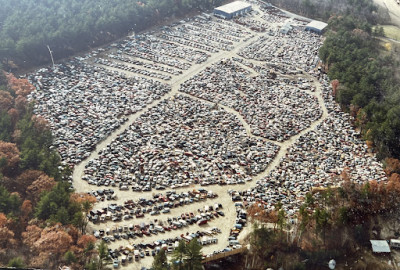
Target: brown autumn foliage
point(42, 183)
point(26, 214)
point(22, 182)
point(53, 239)
point(16, 136)
point(84, 240)
point(46, 245)
point(354, 110)
point(393, 188)
point(361, 118)
point(7, 240)
point(41, 260)
point(307, 240)
point(3, 219)
point(360, 33)
point(344, 175)
point(25, 179)
point(31, 235)
point(40, 123)
point(372, 197)
point(20, 103)
point(14, 115)
point(73, 232)
point(82, 197)
point(21, 86)
point(392, 166)
point(6, 101)
point(370, 144)
point(10, 153)
point(256, 212)
point(394, 179)
point(335, 85)
point(26, 208)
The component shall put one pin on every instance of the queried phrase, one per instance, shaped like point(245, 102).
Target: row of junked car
point(139, 251)
point(102, 194)
point(132, 231)
point(153, 74)
point(160, 203)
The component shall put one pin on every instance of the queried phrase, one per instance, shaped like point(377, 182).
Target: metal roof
point(286, 28)
point(317, 25)
point(233, 7)
point(380, 246)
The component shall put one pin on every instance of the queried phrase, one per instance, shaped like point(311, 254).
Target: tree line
point(42, 222)
point(186, 256)
point(27, 27)
point(323, 10)
point(365, 81)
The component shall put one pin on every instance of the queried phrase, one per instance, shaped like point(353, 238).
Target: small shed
point(286, 28)
point(316, 27)
point(395, 243)
point(380, 246)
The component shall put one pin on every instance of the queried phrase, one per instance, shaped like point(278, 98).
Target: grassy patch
point(392, 31)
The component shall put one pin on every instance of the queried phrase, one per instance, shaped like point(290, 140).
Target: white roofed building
point(316, 27)
point(380, 246)
point(233, 9)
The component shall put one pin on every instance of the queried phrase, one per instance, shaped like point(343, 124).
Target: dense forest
point(27, 27)
point(42, 222)
point(323, 10)
point(364, 72)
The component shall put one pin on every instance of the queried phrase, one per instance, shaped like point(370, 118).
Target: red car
point(202, 222)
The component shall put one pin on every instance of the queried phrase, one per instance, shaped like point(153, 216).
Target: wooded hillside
point(323, 10)
point(27, 27)
point(367, 85)
point(42, 222)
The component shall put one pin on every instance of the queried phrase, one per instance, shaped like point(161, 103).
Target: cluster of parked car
point(160, 203)
point(103, 194)
point(153, 74)
point(139, 230)
point(241, 219)
point(138, 251)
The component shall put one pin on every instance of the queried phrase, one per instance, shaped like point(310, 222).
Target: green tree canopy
point(56, 205)
point(160, 261)
point(8, 203)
